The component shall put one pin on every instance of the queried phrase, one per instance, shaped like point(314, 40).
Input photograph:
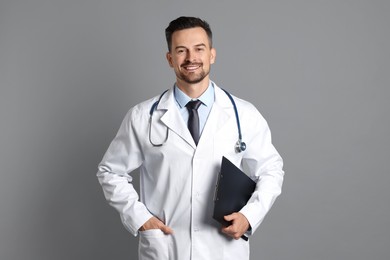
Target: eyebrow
point(201, 45)
point(197, 45)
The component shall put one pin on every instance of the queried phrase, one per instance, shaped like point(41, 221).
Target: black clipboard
point(233, 190)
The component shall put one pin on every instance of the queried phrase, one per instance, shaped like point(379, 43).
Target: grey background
point(317, 70)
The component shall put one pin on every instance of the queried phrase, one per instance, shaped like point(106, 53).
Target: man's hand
point(155, 223)
point(239, 225)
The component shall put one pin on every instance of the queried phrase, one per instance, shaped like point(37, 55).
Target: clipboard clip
point(220, 175)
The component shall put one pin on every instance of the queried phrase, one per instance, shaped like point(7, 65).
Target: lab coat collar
point(217, 118)
point(172, 118)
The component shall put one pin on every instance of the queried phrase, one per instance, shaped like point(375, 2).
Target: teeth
point(191, 67)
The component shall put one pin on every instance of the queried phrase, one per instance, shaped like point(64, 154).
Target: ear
point(169, 59)
point(213, 55)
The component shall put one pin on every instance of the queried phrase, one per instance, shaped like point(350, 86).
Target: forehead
point(190, 37)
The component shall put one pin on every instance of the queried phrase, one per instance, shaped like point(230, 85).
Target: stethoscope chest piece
point(240, 146)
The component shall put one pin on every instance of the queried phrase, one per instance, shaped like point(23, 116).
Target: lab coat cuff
point(253, 220)
point(137, 222)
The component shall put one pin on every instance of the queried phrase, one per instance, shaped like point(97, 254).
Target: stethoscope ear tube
point(155, 104)
point(240, 145)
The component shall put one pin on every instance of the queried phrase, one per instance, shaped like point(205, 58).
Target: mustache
point(188, 63)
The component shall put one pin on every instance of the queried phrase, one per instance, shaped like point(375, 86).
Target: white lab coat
point(178, 178)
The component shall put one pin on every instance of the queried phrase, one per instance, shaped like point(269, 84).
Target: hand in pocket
point(155, 223)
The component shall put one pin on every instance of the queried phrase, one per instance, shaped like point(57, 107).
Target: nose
point(190, 56)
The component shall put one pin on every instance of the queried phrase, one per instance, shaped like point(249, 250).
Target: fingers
point(232, 231)
point(239, 225)
point(155, 223)
point(230, 217)
point(167, 230)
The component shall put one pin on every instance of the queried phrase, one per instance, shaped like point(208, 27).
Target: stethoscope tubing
point(240, 145)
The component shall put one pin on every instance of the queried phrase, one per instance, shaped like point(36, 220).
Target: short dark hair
point(185, 22)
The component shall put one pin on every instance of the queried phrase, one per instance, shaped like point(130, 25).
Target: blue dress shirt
point(207, 99)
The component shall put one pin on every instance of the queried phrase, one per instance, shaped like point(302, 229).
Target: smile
point(191, 67)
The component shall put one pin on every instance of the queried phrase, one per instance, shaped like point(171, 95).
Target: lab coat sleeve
point(122, 157)
point(265, 165)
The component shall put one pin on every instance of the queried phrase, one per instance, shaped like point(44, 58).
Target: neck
point(193, 90)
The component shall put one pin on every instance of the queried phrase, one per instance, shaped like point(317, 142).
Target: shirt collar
point(207, 98)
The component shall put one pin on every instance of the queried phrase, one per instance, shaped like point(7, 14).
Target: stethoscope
point(240, 145)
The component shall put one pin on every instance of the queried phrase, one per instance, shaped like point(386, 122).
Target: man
point(179, 165)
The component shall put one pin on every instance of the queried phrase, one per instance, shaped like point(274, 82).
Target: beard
point(192, 77)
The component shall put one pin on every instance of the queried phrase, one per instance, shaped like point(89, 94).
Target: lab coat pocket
point(153, 244)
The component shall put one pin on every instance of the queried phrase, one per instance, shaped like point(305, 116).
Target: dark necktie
point(193, 119)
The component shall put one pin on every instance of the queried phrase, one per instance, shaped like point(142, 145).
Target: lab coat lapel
point(219, 115)
point(173, 119)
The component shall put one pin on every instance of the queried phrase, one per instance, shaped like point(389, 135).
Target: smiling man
point(177, 140)
point(190, 56)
